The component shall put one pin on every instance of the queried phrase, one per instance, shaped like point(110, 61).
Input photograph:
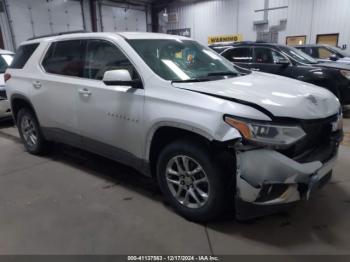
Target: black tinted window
point(65, 58)
point(302, 49)
point(266, 56)
point(102, 56)
point(263, 56)
point(310, 51)
point(313, 52)
point(23, 53)
point(238, 55)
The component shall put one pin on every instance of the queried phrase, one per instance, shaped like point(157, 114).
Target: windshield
point(298, 55)
point(5, 61)
point(183, 60)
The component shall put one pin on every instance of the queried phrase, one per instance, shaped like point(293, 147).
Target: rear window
point(65, 58)
point(22, 55)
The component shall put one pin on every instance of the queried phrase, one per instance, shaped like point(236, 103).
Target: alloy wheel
point(29, 131)
point(187, 181)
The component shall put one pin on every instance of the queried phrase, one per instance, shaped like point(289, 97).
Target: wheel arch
point(19, 101)
point(164, 134)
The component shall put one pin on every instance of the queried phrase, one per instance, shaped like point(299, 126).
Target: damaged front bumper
point(268, 181)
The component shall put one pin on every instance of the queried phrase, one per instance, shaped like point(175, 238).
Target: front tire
point(191, 181)
point(30, 132)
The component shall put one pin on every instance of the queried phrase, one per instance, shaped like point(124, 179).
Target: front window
point(183, 60)
point(324, 53)
point(298, 55)
point(102, 56)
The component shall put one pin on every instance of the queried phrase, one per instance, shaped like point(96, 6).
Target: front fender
point(223, 132)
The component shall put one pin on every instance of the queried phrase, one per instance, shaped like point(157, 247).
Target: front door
point(109, 116)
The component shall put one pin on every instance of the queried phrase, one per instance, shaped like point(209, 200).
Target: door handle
point(37, 85)
point(255, 69)
point(84, 92)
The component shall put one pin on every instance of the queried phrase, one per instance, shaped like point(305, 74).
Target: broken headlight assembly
point(264, 133)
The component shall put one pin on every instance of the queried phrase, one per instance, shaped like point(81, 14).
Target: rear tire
point(30, 132)
point(191, 181)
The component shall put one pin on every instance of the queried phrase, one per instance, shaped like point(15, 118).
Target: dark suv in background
point(326, 53)
point(289, 62)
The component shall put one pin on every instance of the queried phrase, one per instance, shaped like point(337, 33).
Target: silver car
point(6, 58)
point(177, 111)
point(326, 53)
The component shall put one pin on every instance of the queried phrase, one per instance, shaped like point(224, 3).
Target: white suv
point(175, 110)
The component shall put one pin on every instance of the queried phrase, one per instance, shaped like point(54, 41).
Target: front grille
point(317, 133)
point(320, 143)
point(3, 95)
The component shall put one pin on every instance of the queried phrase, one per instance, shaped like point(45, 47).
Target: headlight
point(345, 73)
point(338, 124)
point(266, 133)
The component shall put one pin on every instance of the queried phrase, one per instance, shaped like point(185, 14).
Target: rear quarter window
point(22, 55)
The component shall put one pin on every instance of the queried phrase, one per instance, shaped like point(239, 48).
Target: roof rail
point(57, 34)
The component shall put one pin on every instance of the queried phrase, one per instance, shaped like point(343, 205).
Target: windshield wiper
point(191, 80)
point(223, 74)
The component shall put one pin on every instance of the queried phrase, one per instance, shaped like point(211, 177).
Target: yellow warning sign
point(225, 38)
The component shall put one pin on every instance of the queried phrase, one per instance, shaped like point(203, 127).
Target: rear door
point(55, 90)
point(240, 56)
point(109, 116)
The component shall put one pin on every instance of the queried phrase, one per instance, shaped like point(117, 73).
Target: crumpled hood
point(281, 96)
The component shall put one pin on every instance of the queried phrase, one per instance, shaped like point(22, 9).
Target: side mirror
point(334, 57)
point(282, 61)
point(120, 77)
